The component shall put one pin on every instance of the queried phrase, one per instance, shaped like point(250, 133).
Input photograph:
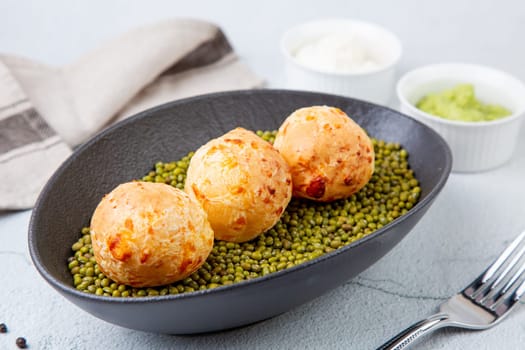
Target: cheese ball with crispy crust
point(330, 156)
point(242, 183)
point(149, 234)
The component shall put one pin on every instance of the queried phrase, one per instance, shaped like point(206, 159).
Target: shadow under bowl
point(129, 149)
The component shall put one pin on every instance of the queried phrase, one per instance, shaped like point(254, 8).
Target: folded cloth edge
point(53, 98)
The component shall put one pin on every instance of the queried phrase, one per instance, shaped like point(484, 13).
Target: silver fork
point(481, 305)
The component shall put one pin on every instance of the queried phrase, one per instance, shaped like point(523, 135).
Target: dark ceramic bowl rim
point(35, 256)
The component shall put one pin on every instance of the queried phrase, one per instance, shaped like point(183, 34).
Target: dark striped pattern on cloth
point(23, 128)
point(30, 150)
point(208, 52)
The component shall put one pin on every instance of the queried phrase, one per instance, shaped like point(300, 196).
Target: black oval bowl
point(128, 150)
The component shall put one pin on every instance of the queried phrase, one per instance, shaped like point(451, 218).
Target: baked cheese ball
point(330, 156)
point(242, 183)
point(149, 234)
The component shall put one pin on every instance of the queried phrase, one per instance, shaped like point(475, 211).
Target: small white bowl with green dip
point(478, 110)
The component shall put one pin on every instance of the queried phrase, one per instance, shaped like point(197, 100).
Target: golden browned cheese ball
point(149, 234)
point(330, 156)
point(242, 182)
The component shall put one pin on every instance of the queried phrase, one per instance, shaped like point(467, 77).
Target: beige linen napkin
point(45, 111)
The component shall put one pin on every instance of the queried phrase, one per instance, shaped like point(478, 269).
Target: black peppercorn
point(21, 342)
point(3, 328)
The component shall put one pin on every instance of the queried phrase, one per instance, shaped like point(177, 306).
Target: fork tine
point(478, 289)
point(493, 297)
point(506, 295)
point(501, 298)
point(513, 279)
point(519, 292)
point(507, 269)
point(502, 258)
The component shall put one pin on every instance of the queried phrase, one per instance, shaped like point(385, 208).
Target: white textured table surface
point(474, 217)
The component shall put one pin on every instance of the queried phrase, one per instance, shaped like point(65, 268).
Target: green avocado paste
point(460, 103)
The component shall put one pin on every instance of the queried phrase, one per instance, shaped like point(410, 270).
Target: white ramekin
point(476, 146)
point(375, 86)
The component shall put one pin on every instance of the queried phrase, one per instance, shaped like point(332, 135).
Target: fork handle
point(414, 332)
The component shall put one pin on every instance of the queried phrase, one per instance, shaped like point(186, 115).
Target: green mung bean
point(305, 231)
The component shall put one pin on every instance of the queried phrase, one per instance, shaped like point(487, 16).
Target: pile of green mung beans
point(305, 231)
